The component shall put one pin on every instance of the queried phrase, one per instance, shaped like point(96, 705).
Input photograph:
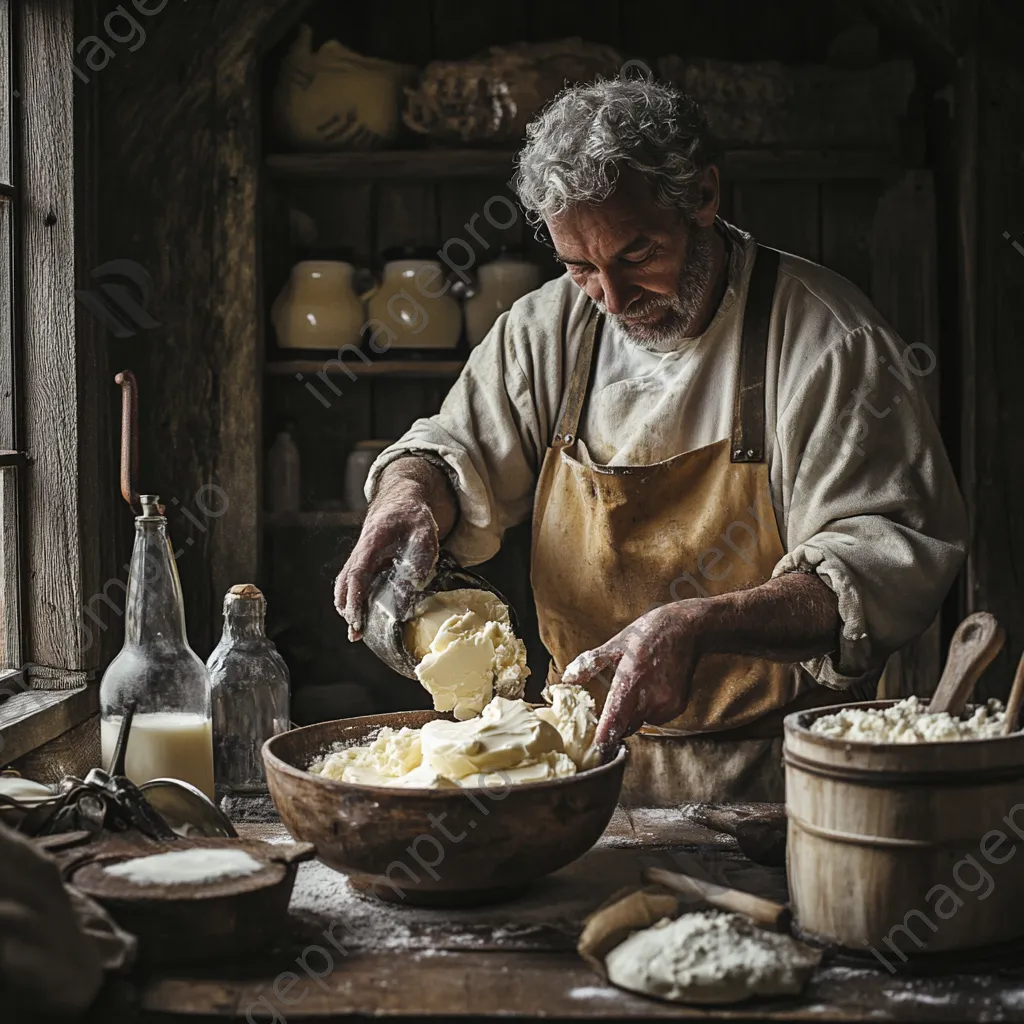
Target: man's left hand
point(653, 660)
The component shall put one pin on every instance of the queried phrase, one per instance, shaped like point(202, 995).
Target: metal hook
point(130, 445)
point(129, 438)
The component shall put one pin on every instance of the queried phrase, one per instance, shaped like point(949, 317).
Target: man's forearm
point(419, 479)
point(793, 617)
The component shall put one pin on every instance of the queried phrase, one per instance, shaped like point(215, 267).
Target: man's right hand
point(414, 508)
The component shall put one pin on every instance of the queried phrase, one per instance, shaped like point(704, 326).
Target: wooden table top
point(518, 959)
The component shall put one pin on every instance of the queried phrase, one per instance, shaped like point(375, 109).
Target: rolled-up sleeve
point(868, 498)
point(487, 437)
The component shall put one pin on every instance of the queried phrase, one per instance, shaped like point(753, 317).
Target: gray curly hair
point(578, 145)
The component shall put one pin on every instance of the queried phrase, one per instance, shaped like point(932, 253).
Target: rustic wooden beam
point(34, 717)
point(54, 542)
point(966, 113)
point(497, 164)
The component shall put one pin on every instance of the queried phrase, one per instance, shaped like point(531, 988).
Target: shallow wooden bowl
point(428, 846)
point(197, 923)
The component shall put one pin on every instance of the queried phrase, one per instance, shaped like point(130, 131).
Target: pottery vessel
point(319, 307)
point(335, 99)
point(412, 308)
point(499, 284)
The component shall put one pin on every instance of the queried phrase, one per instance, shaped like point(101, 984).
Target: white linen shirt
point(862, 487)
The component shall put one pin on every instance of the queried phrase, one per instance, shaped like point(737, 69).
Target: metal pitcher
point(385, 634)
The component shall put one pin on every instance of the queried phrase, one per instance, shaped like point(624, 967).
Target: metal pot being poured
point(385, 632)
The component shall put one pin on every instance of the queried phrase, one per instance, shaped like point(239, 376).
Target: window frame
point(13, 458)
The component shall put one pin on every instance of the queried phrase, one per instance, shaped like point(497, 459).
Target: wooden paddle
point(1012, 721)
point(977, 640)
point(766, 913)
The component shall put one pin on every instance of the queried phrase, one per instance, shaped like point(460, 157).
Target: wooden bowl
point(436, 847)
point(196, 923)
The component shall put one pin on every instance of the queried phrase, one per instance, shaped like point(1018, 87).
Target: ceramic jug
point(412, 308)
point(499, 284)
point(319, 307)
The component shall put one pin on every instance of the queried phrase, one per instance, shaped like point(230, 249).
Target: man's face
point(646, 266)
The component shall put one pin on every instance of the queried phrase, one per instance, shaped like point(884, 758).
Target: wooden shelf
point(395, 163)
point(311, 520)
point(423, 368)
point(754, 164)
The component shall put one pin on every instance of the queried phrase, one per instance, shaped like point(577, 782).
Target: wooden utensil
point(759, 829)
point(977, 640)
point(1012, 721)
point(765, 913)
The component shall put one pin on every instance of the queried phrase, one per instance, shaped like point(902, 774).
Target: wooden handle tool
point(977, 640)
point(1012, 721)
point(766, 913)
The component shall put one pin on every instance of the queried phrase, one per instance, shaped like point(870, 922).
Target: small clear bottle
point(249, 681)
point(157, 671)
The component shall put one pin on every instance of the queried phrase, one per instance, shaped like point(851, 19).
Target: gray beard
point(677, 313)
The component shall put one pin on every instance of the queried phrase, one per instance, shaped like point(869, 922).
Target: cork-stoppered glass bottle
point(249, 683)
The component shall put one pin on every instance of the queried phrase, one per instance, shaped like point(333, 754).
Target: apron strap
point(748, 429)
point(567, 428)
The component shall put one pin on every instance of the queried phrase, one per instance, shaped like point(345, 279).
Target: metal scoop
point(385, 634)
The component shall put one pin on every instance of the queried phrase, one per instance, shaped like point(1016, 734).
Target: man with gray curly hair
point(724, 531)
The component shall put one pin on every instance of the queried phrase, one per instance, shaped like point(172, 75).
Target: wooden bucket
point(904, 849)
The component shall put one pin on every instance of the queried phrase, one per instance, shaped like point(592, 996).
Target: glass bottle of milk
point(171, 734)
point(249, 683)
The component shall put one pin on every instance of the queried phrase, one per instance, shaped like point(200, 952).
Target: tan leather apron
point(611, 543)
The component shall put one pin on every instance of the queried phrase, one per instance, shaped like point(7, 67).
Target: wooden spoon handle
point(761, 911)
point(1012, 721)
point(977, 640)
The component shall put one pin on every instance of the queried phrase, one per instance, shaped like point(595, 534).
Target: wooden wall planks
point(180, 201)
point(406, 214)
point(599, 22)
point(902, 266)
point(996, 500)
point(782, 214)
point(477, 212)
point(847, 214)
point(56, 534)
point(463, 28)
